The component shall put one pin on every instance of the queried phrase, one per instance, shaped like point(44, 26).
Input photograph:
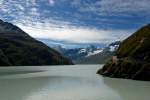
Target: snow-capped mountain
point(84, 53)
point(88, 55)
point(113, 46)
point(94, 52)
point(78, 53)
point(99, 55)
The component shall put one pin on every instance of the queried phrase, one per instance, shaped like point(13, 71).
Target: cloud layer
point(76, 35)
point(77, 20)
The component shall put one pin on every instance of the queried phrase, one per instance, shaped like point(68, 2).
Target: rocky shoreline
point(132, 59)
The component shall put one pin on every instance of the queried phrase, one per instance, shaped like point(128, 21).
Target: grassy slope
point(19, 49)
point(134, 57)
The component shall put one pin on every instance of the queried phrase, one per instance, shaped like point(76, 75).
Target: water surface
point(78, 82)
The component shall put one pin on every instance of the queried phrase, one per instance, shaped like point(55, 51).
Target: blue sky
point(77, 21)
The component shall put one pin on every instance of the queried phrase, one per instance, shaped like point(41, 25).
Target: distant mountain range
point(132, 59)
point(69, 45)
point(91, 54)
point(17, 48)
point(77, 53)
point(99, 56)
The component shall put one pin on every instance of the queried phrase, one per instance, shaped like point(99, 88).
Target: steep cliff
point(132, 59)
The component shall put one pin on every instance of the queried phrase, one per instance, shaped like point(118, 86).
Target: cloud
point(112, 7)
point(51, 2)
point(77, 20)
point(113, 13)
point(34, 12)
point(89, 13)
point(75, 34)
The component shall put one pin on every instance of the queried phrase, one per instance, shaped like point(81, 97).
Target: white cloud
point(1, 2)
point(27, 13)
point(76, 3)
point(74, 34)
point(114, 7)
point(125, 5)
point(51, 2)
point(34, 12)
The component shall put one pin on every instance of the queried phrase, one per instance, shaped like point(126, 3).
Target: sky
point(77, 21)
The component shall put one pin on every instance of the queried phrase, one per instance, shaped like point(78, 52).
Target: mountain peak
point(19, 49)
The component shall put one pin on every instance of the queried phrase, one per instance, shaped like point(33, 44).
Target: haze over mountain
point(84, 53)
point(17, 48)
point(76, 54)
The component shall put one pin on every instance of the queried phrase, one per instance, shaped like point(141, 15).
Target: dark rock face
point(17, 48)
point(132, 59)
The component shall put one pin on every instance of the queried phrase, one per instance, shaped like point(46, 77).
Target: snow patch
point(82, 51)
point(113, 48)
point(94, 52)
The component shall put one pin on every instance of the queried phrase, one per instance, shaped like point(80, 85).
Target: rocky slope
point(75, 54)
point(17, 48)
point(100, 57)
point(91, 54)
point(132, 59)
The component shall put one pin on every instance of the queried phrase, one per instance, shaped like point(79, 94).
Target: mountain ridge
point(17, 48)
point(101, 57)
point(132, 59)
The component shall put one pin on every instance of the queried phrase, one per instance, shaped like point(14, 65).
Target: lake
point(76, 82)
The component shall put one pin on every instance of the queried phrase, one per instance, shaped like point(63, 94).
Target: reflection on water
point(17, 72)
point(68, 83)
point(128, 89)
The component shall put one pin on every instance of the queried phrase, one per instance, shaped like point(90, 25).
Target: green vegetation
point(133, 57)
point(136, 44)
point(19, 49)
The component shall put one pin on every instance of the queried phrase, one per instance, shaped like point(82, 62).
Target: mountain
point(99, 56)
point(69, 45)
point(132, 59)
point(76, 53)
point(17, 48)
point(89, 54)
